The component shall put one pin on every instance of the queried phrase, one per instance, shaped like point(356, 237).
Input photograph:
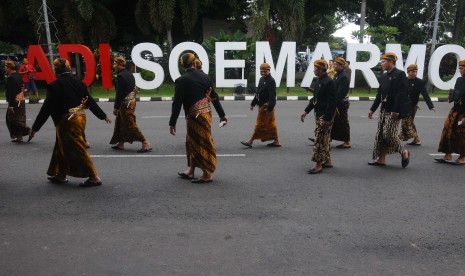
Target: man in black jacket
point(126, 128)
point(392, 95)
point(416, 87)
point(341, 128)
point(66, 101)
point(324, 103)
point(16, 112)
point(265, 125)
point(194, 92)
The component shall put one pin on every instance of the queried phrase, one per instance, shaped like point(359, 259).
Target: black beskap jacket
point(324, 100)
point(266, 92)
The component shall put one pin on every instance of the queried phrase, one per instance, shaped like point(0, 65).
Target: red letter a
point(35, 54)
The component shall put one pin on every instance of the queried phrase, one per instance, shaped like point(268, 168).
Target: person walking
point(66, 101)
point(453, 133)
point(324, 103)
point(392, 95)
point(265, 125)
point(341, 128)
point(16, 111)
point(126, 129)
point(416, 87)
point(194, 92)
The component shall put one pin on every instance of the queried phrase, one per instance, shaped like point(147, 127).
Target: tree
point(248, 55)
point(79, 21)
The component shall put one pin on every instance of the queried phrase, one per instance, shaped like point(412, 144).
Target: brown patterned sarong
point(322, 145)
point(387, 137)
point(341, 127)
point(265, 126)
point(126, 129)
point(453, 135)
point(16, 120)
point(200, 148)
point(408, 129)
point(70, 156)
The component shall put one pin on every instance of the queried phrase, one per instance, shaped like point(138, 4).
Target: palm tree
point(159, 14)
point(388, 5)
point(289, 16)
point(84, 21)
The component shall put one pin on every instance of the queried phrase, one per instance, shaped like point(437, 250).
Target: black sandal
point(88, 183)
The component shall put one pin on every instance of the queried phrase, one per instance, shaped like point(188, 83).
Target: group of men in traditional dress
point(67, 99)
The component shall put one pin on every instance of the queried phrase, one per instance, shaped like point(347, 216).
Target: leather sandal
point(88, 183)
point(246, 144)
point(54, 179)
point(144, 150)
point(185, 176)
point(314, 171)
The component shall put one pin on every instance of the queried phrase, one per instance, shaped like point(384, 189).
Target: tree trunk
point(170, 39)
point(459, 21)
point(362, 20)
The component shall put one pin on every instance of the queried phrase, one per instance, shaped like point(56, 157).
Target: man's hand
point(224, 119)
point(370, 115)
point(251, 107)
point(302, 117)
point(115, 112)
point(108, 120)
point(394, 115)
point(434, 109)
point(173, 130)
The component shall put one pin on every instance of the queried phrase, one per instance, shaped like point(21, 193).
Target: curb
point(240, 98)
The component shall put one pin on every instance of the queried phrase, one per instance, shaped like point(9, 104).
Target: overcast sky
point(346, 32)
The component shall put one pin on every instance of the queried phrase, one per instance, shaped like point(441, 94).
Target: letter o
point(176, 54)
point(435, 61)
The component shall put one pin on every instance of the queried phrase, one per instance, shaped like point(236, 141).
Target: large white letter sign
point(263, 51)
point(322, 50)
point(287, 52)
point(221, 63)
point(365, 67)
point(435, 61)
point(176, 54)
point(416, 55)
point(147, 65)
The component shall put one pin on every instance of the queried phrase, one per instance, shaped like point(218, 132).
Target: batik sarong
point(200, 148)
point(341, 127)
point(387, 137)
point(126, 129)
point(453, 135)
point(16, 119)
point(265, 126)
point(322, 144)
point(70, 156)
point(408, 129)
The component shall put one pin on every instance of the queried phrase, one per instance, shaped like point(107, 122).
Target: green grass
point(167, 90)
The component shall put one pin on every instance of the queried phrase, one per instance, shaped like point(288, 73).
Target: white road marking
point(440, 154)
point(157, 156)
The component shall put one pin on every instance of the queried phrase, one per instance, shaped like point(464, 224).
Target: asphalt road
point(263, 214)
